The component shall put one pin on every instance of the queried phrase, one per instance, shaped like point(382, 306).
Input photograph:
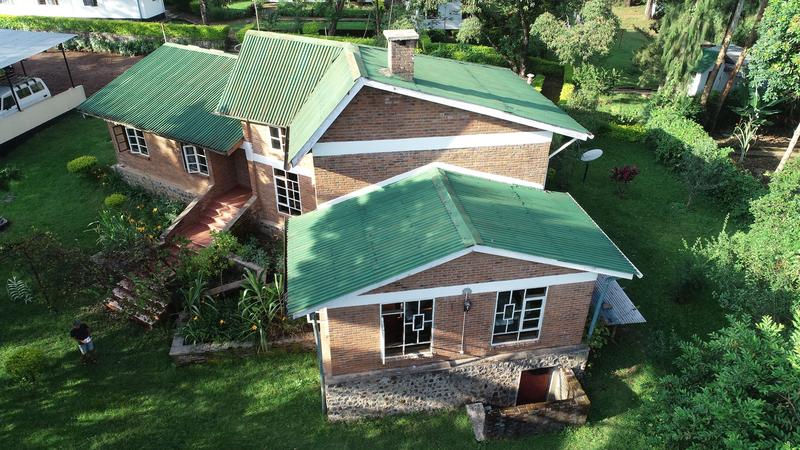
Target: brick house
point(420, 240)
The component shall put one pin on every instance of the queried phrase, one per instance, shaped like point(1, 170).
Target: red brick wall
point(340, 175)
point(263, 184)
point(351, 336)
point(473, 268)
point(376, 114)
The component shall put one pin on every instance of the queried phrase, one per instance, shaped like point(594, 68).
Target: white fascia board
point(351, 94)
point(550, 261)
point(639, 273)
point(432, 143)
point(261, 159)
point(436, 164)
point(491, 112)
point(455, 290)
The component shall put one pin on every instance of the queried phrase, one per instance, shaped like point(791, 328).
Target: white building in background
point(98, 9)
point(706, 65)
point(446, 17)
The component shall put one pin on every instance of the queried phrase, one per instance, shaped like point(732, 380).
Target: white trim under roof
point(491, 112)
point(357, 298)
point(436, 164)
point(351, 94)
point(259, 158)
point(432, 143)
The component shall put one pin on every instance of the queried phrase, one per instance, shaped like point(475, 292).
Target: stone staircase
point(213, 213)
point(217, 214)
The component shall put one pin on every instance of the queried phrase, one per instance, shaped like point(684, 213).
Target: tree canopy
point(775, 58)
point(586, 36)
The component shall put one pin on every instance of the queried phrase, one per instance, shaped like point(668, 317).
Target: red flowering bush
point(622, 176)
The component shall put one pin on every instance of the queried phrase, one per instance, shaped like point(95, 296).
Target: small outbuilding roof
point(617, 307)
point(435, 212)
point(16, 45)
point(172, 92)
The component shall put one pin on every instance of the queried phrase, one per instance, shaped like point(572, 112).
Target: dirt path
point(92, 70)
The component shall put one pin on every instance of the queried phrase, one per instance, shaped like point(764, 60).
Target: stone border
point(185, 354)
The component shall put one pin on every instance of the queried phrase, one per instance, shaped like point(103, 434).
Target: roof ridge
point(466, 230)
point(198, 49)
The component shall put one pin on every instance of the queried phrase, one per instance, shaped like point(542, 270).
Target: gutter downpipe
point(599, 306)
point(319, 363)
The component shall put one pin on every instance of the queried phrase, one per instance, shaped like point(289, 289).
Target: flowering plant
point(622, 176)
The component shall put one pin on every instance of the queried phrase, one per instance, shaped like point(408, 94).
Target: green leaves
point(18, 290)
point(775, 58)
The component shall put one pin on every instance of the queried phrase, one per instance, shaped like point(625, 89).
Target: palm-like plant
point(753, 116)
point(259, 304)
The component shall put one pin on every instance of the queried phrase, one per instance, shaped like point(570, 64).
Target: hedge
point(675, 138)
point(464, 52)
point(117, 27)
point(223, 13)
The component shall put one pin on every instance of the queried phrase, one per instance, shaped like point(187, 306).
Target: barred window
point(407, 328)
point(518, 315)
point(136, 141)
point(194, 159)
point(287, 192)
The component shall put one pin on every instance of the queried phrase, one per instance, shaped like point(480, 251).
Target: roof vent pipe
point(401, 53)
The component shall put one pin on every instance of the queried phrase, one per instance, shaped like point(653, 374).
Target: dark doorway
point(534, 386)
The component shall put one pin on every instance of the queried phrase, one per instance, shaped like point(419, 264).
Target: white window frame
point(528, 306)
point(284, 202)
point(136, 142)
point(276, 136)
point(200, 164)
point(425, 324)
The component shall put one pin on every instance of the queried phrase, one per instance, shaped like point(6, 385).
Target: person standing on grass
point(81, 333)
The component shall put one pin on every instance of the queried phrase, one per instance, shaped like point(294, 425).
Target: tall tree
point(505, 25)
point(776, 58)
point(736, 67)
point(204, 11)
point(576, 40)
point(334, 10)
point(723, 50)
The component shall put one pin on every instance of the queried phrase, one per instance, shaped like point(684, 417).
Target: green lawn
point(136, 398)
point(621, 57)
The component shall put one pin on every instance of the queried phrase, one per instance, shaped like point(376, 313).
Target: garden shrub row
point(119, 36)
point(683, 145)
point(320, 9)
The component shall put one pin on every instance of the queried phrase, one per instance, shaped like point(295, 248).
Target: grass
point(48, 197)
point(631, 40)
point(136, 398)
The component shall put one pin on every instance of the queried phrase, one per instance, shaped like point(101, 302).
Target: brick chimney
point(401, 52)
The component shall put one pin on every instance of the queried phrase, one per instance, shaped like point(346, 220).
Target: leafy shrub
point(115, 200)
point(590, 83)
point(629, 133)
point(311, 28)
point(212, 261)
point(18, 290)
point(622, 176)
point(7, 175)
point(82, 164)
point(26, 364)
point(739, 388)
point(254, 252)
point(464, 52)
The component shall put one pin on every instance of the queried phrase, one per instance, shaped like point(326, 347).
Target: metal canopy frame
point(18, 45)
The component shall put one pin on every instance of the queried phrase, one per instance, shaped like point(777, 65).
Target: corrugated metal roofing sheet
point(478, 84)
point(368, 239)
point(617, 308)
point(172, 92)
point(295, 81)
point(275, 76)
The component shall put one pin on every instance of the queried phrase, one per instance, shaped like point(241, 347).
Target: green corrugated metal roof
point(172, 92)
point(478, 84)
point(287, 80)
point(368, 239)
point(275, 76)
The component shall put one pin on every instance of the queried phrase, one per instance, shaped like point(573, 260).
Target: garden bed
point(184, 354)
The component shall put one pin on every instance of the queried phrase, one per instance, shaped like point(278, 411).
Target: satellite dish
point(591, 155)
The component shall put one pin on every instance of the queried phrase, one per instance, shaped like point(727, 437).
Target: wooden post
point(64, 54)
point(789, 149)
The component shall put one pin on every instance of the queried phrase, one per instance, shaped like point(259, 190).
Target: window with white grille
point(407, 328)
point(276, 139)
point(136, 141)
point(518, 315)
point(287, 192)
point(194, 159)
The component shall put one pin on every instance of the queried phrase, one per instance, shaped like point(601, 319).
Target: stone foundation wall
point(152, 184)
point(491, 380)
